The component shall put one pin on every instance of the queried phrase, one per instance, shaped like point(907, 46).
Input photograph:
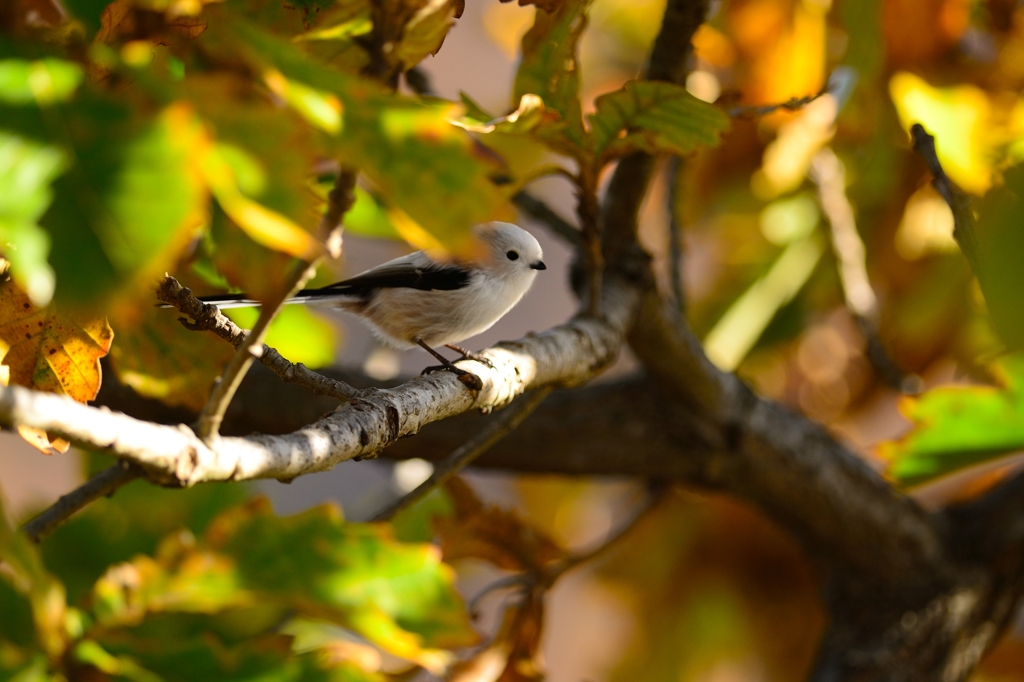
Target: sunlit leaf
point(263, 225)
point(397, 596)
point(959, 118)
point(418, 161)
point(43, 82)
point(131, 201)
point(181, 578)
point(26, 171)
point(527, 116)
point(50, 351)
point(426, 31)
point(653, 117)
point(957, 426)
point(549, 67)
point(367, 218)
point(91, 653)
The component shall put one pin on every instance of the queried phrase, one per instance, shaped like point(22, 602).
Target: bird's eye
point(513, 255)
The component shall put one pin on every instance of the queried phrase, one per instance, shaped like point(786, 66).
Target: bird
point(428, 301)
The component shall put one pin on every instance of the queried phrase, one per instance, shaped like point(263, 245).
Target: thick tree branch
point(564, 356)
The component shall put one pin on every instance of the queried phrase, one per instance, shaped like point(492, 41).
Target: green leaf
point(181, 579)
point(27, 169)
point(417, 160)
point(42, 82)
point(653, 117)
point(550, 68)
point(398, 596)
point(297, 333)
point(91, 653)
point(1001, 249)
point(425, 32)
point(129, 203)
point(133, 522)
point(957, 426)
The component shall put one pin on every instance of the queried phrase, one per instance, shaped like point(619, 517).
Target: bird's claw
point(468, 379)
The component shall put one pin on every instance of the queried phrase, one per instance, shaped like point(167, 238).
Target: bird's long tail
point(325, 296)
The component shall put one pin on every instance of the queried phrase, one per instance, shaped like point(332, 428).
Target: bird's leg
point(468, 378)
point(470, 355)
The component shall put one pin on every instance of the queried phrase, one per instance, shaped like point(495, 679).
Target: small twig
point(590, 224)
point(209, 318)
point(483, 441)
point(339, 201)
point(791, 104)
point(102, 484)
point(675, 238)
point(828, 173)
point(959, 204)
point(538, 210)
point(658, 490)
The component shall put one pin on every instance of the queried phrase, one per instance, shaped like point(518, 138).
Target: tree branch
point(564, 356)
point(960, 205)
point(103, 484)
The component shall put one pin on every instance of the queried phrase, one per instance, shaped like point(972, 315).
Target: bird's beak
point(539, 265)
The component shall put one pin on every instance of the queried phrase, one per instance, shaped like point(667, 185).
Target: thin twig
point(538, 210)
point(102, 484)
point(963, 218)
point(206, 317)
point(480, 443)
point(658, 490)
point(675, 238)
point(590, 224)
point(791, 104)
point(339, 201)
point(828, 172)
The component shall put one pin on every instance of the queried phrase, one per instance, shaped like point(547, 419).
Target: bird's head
point(510, 250)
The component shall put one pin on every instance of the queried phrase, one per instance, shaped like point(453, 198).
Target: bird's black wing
point(397, 276)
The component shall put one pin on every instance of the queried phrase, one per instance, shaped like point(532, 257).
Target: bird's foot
point(468, 379)
point(470, 355)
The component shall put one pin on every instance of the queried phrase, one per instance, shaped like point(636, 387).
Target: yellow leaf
point(959, 118)
point(264, 226)
point(50, 351)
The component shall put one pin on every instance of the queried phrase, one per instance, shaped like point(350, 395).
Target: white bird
point(421, 300)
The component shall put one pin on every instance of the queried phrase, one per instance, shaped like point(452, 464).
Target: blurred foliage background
point(817, 261)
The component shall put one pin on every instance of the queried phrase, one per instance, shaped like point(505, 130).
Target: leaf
point(527, 116)
point(24, 571)
point(158, 358)
point(493, 534)
point(957, 426)
point(182, 578)
point(42, 82)
point(425, 32)
point(653, 117)
point(367, 218)
point(549, 67)
point(50, 351)
point(1000, 249)
point(398, 596)
point(297, 333)
point(416, 159)
point(131, 202)
point(263, 225)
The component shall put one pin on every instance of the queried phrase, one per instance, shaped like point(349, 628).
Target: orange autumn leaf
point(50, 351)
